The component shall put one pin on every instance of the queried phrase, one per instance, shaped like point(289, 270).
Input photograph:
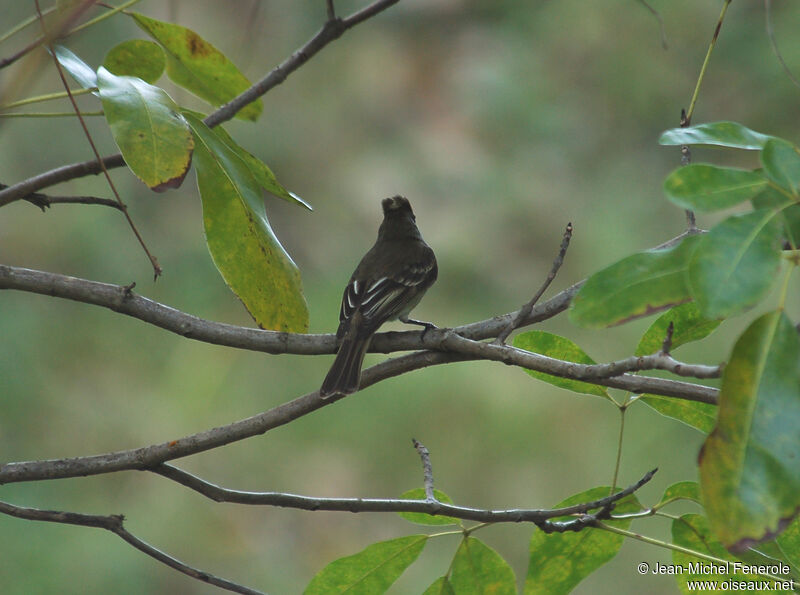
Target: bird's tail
point(345, 373)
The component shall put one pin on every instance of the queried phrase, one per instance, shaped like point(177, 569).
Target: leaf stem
point(674, 547)
point(714, 38)
point(47, 114)
point(23, 24)
point(46, 97)
point(622, 409)
point(103, 17)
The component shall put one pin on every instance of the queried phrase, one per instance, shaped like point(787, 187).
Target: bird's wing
point(385, 298)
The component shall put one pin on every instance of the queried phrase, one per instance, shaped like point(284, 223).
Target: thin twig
point(331, 31)
point(49, 36)
point(43, 201)
point(26, 23)
point(427, 468)
point(46, 97)
point(714, 37)
point(431, 506)
point(526, 309)
point(661, 29)
point(114, 523)
point(571, 370)
point(686, 159)
point(331, 10)
point(774, 43)
point(47, 115)
point(122, 206)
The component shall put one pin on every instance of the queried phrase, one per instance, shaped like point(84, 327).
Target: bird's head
point(396, 205)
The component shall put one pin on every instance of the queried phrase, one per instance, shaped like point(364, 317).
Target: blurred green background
point(501, 121)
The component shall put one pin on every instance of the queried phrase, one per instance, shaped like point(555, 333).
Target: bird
point(387, 284)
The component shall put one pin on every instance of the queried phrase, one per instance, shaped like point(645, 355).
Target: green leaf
point(477, 568)
point(688, 325)
point(561, 348)
point(700, 416)
point(559, 561)
point(723, 134)
point(152, 135)
point(702, 187)
point(441, 586)
point(636, 286)
point(421, 518)
point(691, 531)
point(749, 472)
point(781, 162)
point(735, 263)
point(683, 490)
point(244, 248)
point(78, 69)
point(372, 570)
point(136, 57)
point(198, 66)
point(789, 211)
point(789, 543)
point(262, 174)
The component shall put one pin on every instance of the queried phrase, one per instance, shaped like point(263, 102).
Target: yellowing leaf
point(198, 66)
point(244, 248)
point(152, 135)
point(749, 471)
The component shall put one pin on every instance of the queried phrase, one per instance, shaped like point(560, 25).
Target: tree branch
point(331, 30)
point(114, 523)
point(148, 457)
point(120, 299)
point(540, 517)
point(565, 369)
point(44, 201)
point(462, 342)
point(427, 468)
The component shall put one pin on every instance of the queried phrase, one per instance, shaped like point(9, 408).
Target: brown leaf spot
point(197, 46)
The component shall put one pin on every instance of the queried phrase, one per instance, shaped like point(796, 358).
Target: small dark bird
point(386, 285)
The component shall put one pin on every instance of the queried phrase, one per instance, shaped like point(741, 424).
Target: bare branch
point(461, 341)
point(49, 36)
point(55, 176)
point(774, 44)
point(149, 457)
point(120, 299)
point(661, 29)
point(538, 516)
point(43, 201)
point(114, 523)
point(427, 468)
point(586, 372)
point(330, 31)
point(526, 309)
